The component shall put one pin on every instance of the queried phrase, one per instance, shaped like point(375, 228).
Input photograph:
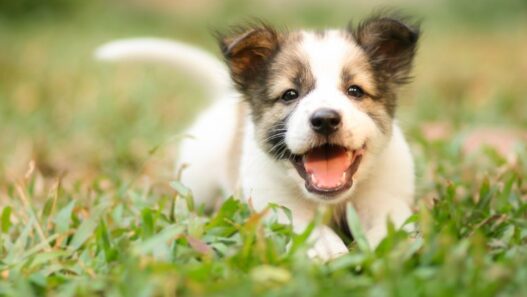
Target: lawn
point(89, 205)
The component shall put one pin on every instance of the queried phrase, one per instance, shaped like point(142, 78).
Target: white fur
point(384, 184)
point(204, 152)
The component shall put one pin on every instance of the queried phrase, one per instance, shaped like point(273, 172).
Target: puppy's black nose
point(325, 121)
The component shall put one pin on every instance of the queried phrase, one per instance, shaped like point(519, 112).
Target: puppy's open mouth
point(328, 169)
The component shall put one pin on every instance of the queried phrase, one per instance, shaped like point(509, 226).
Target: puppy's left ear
point(390, 44)
point(247, 51)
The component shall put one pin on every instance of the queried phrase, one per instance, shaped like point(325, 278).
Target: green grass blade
point(356, 228)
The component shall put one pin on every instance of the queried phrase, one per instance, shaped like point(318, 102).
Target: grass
point(89, 205)
point(112, 239)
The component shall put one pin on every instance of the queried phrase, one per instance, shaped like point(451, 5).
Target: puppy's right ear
point(247, 51)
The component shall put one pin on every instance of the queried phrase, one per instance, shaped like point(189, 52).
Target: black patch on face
point(257, 94)
point(275, 140)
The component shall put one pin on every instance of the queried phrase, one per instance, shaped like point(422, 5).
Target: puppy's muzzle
point(325, 121)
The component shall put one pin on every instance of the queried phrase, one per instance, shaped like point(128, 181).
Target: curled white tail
point(198, 63)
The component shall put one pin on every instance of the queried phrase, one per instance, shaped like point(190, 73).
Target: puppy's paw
point(324, 252)
point(326, 245)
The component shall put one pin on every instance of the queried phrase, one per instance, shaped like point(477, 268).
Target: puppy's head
point(322, 102)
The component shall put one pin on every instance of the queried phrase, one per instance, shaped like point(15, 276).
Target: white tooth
point(314, 179)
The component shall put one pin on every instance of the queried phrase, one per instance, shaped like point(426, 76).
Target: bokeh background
point(81, 120)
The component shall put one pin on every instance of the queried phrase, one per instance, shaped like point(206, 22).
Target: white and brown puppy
point(308, 120)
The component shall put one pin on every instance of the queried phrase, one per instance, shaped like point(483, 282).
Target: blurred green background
point(77, 117)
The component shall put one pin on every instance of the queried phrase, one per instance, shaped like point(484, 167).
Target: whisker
point(274, 136)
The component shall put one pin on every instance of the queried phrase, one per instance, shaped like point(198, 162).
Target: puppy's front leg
point(375, 212)
point(325, 243)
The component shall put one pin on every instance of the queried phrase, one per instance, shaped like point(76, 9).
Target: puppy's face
point(322, 102)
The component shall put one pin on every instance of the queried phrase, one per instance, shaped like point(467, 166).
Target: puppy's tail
point(198, 63)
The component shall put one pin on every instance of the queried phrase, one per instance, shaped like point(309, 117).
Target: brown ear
point(390, 44)
point(247, 51)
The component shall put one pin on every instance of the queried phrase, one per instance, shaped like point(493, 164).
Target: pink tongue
point(326, 165)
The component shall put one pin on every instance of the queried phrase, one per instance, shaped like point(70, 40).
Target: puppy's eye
point(355, 91)
point(289, 95)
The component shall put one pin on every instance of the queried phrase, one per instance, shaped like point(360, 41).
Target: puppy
point(306, 118)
